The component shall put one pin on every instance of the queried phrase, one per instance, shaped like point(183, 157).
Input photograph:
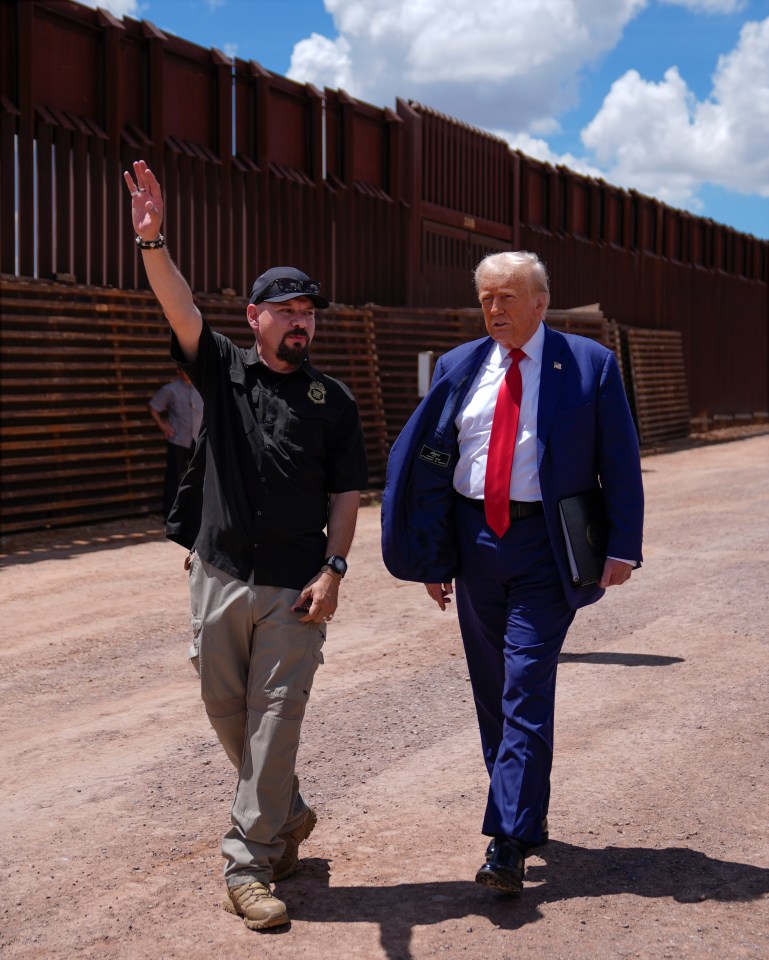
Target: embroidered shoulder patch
point(437, 457)
point(317, 392)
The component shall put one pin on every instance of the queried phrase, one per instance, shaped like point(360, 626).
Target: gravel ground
point(115, 792)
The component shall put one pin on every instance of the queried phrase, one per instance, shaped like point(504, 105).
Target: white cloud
point(324, 62)
point(118, 8)
point(708, 6)
point(515, 63)
point(540, 150)
point(515, 68)
point(657, 138)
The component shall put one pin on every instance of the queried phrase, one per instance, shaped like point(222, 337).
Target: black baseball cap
point(286, 283)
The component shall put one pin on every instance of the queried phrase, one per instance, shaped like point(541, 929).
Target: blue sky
point(667, 97)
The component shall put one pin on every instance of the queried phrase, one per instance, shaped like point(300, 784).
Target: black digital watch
point(337, 564)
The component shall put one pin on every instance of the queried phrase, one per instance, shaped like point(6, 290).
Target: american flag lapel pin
point(556, 365)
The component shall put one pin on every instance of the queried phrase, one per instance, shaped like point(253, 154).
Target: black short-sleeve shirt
point(277, 446)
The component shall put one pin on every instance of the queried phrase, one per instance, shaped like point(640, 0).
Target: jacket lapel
point(459, 379)
point(555, 360)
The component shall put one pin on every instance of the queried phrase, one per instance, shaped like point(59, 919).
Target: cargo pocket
point(298, 687)
point(317, 660)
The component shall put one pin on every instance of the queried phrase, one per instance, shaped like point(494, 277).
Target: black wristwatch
point(337, 564)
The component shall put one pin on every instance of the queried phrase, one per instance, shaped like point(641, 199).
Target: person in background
point(177, 409)
point(513, 423)
point(284, 466)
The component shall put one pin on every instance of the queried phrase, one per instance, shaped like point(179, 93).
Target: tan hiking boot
point(255, 903)
point(290, 859)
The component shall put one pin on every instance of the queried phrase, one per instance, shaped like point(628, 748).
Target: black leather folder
point(586, 531)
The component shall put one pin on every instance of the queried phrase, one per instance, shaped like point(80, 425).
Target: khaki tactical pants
point(256, 663)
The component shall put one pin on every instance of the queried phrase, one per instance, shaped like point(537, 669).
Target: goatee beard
point(296, 356)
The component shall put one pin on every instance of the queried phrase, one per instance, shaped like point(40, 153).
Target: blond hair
point(511, 263)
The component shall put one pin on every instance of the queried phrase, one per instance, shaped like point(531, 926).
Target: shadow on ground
point(65, 543)
point(561, 871)
point(620, 659)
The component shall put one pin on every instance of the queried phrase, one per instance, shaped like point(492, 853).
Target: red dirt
point(116, 793)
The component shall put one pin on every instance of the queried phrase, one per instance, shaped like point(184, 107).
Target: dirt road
point(115, 792)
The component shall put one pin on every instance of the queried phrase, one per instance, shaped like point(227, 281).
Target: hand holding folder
point(586, 531)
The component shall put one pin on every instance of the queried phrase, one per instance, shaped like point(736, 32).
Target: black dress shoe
point(504, 871)
point(525, 846)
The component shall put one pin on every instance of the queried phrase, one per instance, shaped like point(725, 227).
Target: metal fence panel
point(79, 366)
point(393, 207)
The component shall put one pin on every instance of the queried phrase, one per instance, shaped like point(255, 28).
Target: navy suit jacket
point(586, 438)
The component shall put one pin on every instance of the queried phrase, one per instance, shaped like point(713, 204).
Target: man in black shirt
point(284, 462)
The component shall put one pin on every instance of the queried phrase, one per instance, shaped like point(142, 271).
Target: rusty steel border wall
point(389, 207)
point(80, 365)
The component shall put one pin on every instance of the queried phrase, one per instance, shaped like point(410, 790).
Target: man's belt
point(519, 509)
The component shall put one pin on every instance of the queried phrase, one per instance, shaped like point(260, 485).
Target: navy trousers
point(514, 617)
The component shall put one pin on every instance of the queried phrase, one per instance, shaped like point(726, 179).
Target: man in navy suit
point(514, 589)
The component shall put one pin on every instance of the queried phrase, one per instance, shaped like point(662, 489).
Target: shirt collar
point(250, 358)
point(533, 348)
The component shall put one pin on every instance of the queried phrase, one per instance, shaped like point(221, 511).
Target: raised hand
point(167, 283)
point(146, 201)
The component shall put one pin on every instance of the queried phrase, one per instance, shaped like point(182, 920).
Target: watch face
point(337, 564)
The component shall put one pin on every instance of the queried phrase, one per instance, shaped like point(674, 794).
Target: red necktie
point(499, 465)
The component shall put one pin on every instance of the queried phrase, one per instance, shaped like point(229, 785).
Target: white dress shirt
point(477, 412)
point(474, 425)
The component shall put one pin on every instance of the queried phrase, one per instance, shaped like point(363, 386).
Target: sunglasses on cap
point(286, 285)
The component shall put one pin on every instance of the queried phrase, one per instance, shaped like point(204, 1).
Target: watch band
point(337, 565)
